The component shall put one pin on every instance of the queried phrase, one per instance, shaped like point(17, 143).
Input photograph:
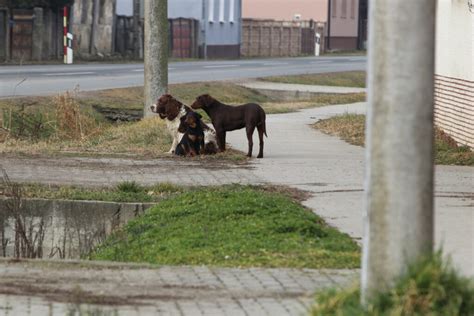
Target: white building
point(454, 79)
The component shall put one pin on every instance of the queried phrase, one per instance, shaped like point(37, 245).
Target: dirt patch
point(293, 193)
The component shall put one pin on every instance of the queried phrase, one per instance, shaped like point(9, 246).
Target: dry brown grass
point(148, 137)
point(349, 127)
point(70, 121)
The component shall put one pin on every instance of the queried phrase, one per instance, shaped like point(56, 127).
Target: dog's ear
point(165, 98)
point(198, 116)
point(173, 107)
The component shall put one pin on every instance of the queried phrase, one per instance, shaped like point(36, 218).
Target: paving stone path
point(58, 288)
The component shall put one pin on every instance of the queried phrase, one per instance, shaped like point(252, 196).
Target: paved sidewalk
point(56, 288)
point(110, 171)
point(286, 87)
point(301, 157)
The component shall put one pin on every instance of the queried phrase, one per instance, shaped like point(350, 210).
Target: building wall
point(220, 33)
point(344, 24)
point(454, 74)
point(285, 9)
point(222, 28)
point(93, 26)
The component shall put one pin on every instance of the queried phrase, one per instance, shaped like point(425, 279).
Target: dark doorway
point(3, 34)
point(363, 18)
point(22, 35)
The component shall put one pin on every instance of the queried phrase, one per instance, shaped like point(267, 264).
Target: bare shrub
point(71, 123)
point(29, 231)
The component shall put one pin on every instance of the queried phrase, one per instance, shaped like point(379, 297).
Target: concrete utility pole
point(399, 174)
point(156, 51)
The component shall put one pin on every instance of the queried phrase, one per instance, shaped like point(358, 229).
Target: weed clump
point(430, 287)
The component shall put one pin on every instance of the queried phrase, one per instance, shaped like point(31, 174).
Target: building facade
point(347, 24)
point(346, 20)
point(284, 10)
point(219, 33)
point(28, 33)
point(92, 24)
point(454, 74)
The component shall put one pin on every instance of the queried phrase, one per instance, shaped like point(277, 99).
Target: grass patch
point(317, 101)
point(430, 287)
point(351, 128)
point(148, 137)
point(338, 79)
point(123, 192)
point(231, 226)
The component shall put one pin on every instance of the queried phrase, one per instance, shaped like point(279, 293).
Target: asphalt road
point(50, 79)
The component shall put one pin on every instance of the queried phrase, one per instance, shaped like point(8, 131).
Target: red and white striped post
point(65, 34)
point(67, 40)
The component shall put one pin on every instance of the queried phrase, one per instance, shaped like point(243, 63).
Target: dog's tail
point(263, 124)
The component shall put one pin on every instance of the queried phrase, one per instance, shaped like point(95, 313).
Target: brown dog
point(228, 118)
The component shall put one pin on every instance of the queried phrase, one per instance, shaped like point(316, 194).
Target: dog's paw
point(170, 152)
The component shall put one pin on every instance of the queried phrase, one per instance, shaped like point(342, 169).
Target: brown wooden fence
point(270, 38)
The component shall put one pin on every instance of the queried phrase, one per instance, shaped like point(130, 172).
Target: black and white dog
point(171, 110)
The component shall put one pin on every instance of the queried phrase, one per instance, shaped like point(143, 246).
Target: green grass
point(231, 226)
point(123, 192)
point(351, 128)
point(339, 79)
point(430, 287)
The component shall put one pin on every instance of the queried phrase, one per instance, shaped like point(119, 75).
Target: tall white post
point(399, 153)
point(156, 51)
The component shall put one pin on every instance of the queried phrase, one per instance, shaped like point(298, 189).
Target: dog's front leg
point(173, 145)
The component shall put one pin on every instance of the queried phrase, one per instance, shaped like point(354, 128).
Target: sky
point(125, 7)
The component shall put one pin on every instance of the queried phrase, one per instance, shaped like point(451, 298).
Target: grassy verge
point(357, 52)
point(80, 123)
point(351, 128)
point(316, 101)
point(430, 287)
point(123, 192)
point(231, 226)
point(339, 79)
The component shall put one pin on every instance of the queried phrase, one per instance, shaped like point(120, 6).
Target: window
point(353, 9)
point(334, 8)
point(231, 11)
point(210, 16)
point(344, 9)
point(221, 11)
